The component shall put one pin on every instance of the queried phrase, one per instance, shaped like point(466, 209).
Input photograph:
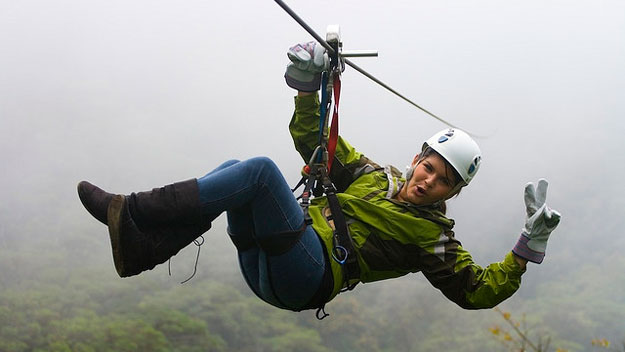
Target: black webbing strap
point(343, 251)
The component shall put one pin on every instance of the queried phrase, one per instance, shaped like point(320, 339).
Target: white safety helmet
point(460, 151)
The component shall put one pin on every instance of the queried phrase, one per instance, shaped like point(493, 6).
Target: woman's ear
point(414, 161)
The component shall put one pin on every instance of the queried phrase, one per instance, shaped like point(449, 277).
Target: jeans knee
point(263, 163)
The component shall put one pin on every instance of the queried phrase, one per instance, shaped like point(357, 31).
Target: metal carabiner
point(342, 252)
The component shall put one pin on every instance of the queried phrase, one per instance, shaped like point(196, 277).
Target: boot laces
point(198, 242)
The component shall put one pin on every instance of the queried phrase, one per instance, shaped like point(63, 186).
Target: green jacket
point(392, 238)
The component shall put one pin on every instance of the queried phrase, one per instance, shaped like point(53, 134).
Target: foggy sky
point(134, 95)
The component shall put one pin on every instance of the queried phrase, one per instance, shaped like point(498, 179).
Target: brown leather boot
point(177, 203)
point(147, 228)
point(132, 250)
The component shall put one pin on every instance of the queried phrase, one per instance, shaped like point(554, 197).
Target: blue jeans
point(260, 206)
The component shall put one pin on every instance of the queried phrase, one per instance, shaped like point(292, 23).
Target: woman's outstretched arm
point(348, 164)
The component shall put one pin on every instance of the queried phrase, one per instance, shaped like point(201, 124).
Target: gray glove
point(539, 223)
point(308, 60)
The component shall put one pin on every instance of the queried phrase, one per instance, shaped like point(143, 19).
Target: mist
point(136, 95)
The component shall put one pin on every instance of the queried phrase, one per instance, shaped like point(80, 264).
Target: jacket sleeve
point(470, 285)
point(348, 164)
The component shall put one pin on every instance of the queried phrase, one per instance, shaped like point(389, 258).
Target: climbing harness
point(316, 179)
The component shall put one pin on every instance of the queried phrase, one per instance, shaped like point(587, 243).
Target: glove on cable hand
point(539, 223)
point(308, 60)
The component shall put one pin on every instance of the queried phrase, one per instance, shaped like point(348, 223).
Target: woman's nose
point(429, 181)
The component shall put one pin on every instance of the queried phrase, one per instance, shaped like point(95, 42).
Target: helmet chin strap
point(455, 190)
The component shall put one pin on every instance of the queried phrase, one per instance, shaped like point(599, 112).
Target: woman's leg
point(261, 210)
point(257, 183)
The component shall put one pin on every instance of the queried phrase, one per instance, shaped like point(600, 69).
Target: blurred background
point(136, 95)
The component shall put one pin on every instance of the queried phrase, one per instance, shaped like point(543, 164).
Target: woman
point(397, 225)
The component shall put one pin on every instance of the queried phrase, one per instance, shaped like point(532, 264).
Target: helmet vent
point(474, 165)
point(446, 136)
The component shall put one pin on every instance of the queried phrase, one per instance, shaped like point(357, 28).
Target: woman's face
point(431, 181)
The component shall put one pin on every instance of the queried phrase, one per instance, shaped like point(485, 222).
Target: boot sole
point(115, 218)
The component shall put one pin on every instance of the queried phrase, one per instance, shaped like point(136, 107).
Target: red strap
point(334, 128)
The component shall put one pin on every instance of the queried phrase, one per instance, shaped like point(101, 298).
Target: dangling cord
point(322, 310)
point(198, 243)
point(197, 258)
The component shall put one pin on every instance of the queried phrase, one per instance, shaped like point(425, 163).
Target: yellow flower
point(506, 316)
point(495, 330)
point(601, 342)
point(507, 337)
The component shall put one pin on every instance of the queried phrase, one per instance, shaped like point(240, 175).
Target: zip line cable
point(299, 20)
point(371, 77)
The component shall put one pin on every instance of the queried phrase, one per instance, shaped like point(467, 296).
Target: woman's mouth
point(420, 191)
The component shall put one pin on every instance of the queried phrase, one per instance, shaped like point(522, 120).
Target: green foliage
point(65, 296)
